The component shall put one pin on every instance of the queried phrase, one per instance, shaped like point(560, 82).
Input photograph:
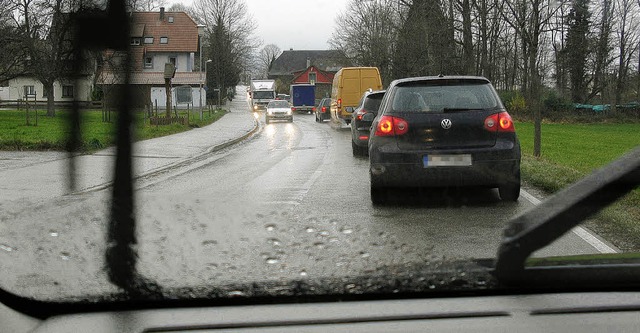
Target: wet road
point(290, 202)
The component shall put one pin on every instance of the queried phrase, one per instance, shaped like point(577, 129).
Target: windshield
point(278, 104)
point(263, 94)
point(143, 165)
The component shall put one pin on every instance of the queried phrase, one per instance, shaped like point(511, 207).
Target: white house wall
point(184, 61)
point(158, 97)
point(15, 90)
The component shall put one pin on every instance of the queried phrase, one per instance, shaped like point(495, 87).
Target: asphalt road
point(290, 202)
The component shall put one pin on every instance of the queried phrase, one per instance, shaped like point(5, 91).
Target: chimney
point(308, 62)
point(161, 13)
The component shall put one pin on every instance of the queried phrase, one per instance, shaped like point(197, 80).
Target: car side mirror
point(368, 117)
point(349, 109)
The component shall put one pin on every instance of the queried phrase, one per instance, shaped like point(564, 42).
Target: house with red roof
point(158, 38)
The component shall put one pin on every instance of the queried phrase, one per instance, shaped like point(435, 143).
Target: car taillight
point(360, 113)
point(324, 109)
point(499, 122)
point(293, 109)
point(339, 102)
point(389, 126)
point(313, 109)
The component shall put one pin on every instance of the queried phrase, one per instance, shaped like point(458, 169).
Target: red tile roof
point(182, 34)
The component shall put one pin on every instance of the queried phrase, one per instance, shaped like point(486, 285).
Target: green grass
point(572, 151)
point(51, 132)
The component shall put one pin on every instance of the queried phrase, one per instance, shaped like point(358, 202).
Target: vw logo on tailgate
point(446, 123)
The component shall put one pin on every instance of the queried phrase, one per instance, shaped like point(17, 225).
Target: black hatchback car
point(369, 103)
point(323, 111)
point(444, 131)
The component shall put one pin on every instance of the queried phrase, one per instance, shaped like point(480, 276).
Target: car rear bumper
point(489, 167)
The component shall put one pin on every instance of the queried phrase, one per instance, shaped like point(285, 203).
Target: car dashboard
point(554, 312)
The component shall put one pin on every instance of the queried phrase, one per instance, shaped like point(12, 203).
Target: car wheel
point(357, 150)
point(378, 195)
point(317, 120)
point(510, 191)
point(266, 120)
point(291, 119)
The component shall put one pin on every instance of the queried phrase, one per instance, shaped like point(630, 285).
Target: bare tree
point(529, 19)
point(628, 33)
point(145, 5)
point(268, 54)
point(229, 24)
point(13, 55)
point(366, 32)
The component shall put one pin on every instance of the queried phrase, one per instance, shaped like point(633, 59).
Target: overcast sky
point(297, 24)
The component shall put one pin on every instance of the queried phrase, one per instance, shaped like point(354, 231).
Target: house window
point(170, 19)
point(312, 78)
point(164, 40)
point(67, 91)
point(29, 90)
point(4, 83)
point(174, 61)
point(148, 40)
point(148, 62)
point(135, 41)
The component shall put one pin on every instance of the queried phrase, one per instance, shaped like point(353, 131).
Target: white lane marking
point(579, 231)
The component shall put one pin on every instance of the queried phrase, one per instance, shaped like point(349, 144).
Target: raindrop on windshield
point(270, 227)
point(274, 241)
point(303, 273)
point(53, 233)
point(65, 255)
point(310, 230)
point(346, 231)
point(6, 248)
point(272, 260)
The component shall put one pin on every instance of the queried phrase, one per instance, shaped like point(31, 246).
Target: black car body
point(369, 103)
point(443, 132)
point(323, 111)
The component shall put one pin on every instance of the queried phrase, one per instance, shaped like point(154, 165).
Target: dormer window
point(170, 19)
point(135, 41)
point(164, 40)
point(148, 40)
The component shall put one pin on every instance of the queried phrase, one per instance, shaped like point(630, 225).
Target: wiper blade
point(554, 217)
point(445, 110)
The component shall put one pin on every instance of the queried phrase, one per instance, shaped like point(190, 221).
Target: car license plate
point(446, 160)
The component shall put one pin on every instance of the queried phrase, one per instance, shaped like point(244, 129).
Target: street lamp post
point(200, 35)
point(205, 78)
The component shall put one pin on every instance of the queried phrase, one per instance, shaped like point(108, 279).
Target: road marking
point(579, 231)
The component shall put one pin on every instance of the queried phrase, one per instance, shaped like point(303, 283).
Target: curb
point(181, 162)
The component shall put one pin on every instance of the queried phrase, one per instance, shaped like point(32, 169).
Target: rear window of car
point(372, 102)
point(443, 96)
point(278, 104)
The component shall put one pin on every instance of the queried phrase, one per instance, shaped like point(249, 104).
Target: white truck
point(261, 92)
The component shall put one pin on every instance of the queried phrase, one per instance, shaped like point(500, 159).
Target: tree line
point(582, 50)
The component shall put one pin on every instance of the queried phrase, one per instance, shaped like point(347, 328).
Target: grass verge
point(51, 132)
point(570, 152)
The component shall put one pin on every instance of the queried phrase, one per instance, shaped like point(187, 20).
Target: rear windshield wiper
point(554, 217)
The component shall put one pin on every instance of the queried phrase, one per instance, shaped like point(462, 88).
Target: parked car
point(440, 132)
point(323, 111)
point(278, 110)
point(369, 103)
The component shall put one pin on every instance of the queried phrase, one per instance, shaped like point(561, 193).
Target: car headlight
point(289, 112)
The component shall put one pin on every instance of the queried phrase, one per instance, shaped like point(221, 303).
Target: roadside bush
point(514, 102)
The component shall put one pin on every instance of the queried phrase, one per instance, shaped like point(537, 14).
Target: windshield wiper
point(554, 217)
point(445, 110)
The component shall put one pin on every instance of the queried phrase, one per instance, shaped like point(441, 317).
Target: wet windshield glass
point(144, 162)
